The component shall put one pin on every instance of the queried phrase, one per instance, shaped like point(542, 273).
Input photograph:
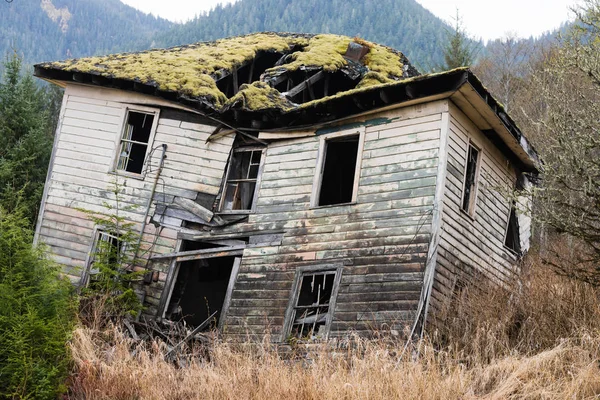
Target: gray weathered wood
point(194, 208)
point(230, 286)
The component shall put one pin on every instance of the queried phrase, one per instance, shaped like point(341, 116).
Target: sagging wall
point(81, 176)
point(472, 247)
point(381, 241)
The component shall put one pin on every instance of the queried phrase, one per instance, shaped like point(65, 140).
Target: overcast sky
point(484, 19)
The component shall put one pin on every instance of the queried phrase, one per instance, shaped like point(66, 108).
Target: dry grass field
point(543, 343)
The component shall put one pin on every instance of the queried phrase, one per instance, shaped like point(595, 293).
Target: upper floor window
point(338, 169)
point(243, 175)
point(471, 179)
point(136, 139)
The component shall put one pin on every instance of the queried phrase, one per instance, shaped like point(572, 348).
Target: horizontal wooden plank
point(418, 155)
point(403, 149)
point(92, 117)
point(100, 107)
point(94, 125)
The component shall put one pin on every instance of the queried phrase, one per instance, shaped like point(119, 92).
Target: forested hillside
point(402, 24)
point(58, 29)
point(43, 30)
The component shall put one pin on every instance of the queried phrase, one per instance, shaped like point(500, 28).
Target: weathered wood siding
point(81, 174)
point(473, 247)
point(382, 240)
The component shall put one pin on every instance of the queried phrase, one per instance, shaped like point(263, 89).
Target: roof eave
point(462, 86)
point(493, 120)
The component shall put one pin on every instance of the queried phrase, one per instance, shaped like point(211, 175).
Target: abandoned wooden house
point(300, 185)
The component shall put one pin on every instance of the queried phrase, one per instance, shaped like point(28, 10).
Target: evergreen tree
point(460, 50)
point(114, 258)
point(60, 29)
point(26, 137)
point(36, 317)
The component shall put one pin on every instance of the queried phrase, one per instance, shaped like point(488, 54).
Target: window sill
point(235, 212)
point(512, 252)
point(125, 174)
point(467, 215)
point(352, 203)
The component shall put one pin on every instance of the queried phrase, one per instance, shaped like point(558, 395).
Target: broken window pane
point(135, 141)
point(339, 168)
point(468, 200)
point(311, 309)
point(513, 240)
point(241, 180)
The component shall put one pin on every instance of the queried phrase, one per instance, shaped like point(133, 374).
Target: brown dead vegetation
point(543, 342)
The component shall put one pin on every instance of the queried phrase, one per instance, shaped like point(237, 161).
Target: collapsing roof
point(283, 81)
point(252, 72)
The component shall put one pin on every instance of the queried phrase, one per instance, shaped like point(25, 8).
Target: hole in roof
point(253, 69)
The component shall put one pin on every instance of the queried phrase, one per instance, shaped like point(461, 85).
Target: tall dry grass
point(540, 312)
point(544, 343)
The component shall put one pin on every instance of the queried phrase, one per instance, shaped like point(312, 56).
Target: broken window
point(470, 189)
point(512, 240)
point(313, 303)
point(135, 141)
point(242, 178)
point(339, 172)
point(107, 249)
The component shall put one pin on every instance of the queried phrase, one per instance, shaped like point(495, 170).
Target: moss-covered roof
point(192, 71)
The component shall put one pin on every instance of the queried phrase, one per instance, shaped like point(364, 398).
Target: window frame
point(261, 166)
point(301, 272)
point(97, 231)
point(471, 211)
point(318, 178)
point(126, 110)
point(512, 206)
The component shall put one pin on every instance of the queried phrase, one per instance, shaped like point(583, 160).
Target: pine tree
point(460, 50)
point(26, 137)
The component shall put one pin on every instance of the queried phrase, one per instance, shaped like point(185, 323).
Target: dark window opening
point(339, 169)
point(311, 308)
point(468, 200)
point(200, 290)
point(244, 167)
point(513, 240)
point(134, 142)
point(190, 245)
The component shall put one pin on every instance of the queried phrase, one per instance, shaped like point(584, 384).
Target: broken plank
point(199, 252)
point(304, 85)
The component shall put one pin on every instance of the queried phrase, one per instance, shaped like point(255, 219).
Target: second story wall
point(472, 242)
point(82, 173)
point(381, 240)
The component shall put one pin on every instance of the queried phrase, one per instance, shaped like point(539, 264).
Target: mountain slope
point(43, 30)
point(402, 24)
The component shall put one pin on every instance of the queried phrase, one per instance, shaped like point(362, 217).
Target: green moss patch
point(259, 96)
point(191, 70)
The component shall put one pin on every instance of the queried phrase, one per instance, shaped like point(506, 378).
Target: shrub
point(36, 316)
